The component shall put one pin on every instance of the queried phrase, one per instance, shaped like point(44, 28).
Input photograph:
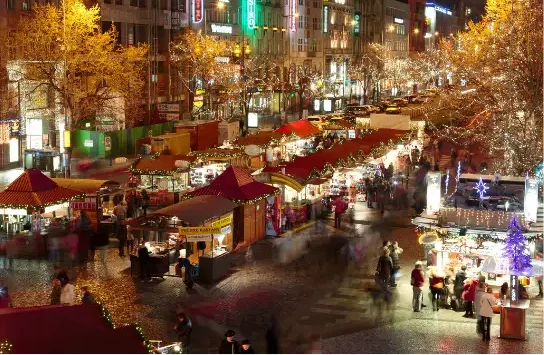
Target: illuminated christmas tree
point(516, 249)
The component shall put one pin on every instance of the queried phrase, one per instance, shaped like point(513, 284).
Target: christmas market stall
point(162, 176)
point(98, 200)
point(304, 130)
point(343, 128)
point(196, 232)
point(265, 146)
point(68, 330)
point(28, 206)
point(310, 180)
point(251, 196)
point(211, 163)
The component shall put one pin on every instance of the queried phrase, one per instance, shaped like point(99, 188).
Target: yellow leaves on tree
point(92, 75)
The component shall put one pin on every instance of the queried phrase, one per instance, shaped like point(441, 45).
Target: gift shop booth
point(211, 163)
point(28, 206)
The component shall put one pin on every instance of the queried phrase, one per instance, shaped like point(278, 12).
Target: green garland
point(487, 237)
point(27, 207)
point(5, 347)
point(237, 201)
point(147, 344)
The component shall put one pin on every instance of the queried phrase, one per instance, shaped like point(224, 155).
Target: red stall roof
point(66, 330)
point(302, 128)
point(303, 166)
point(235, 184)
point(32, 188)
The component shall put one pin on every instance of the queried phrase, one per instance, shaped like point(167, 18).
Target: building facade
point(441, 22)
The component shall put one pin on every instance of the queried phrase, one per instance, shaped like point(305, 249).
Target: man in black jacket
point(459, 284)
point(384, 269)
point(184, 330)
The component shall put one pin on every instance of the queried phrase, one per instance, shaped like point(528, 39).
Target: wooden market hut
point(239, 186)
point(22, 203)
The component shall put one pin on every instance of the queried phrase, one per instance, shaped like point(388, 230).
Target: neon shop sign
point(251, 13)
point(198, 6)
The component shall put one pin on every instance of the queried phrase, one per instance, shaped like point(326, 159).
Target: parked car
point(410, 98)
point(357, 111)
point(400, 102)
point(421, 100)
point(370, 108)
point(378, 108)
point(392, 109)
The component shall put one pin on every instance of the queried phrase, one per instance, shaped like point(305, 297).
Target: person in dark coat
point(55, 292)
point(272, 337)
point(184, 330)
point(246, 347)
point(229, 345)
point(143, 259)
point(87, 297)
point(384, 268)
point(145, 201)
point(100, 242)
point(459, 284)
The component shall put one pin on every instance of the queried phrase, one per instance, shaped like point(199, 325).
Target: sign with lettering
point(198, 8)
point(168, 107)
point(199, 230)
point(325, 19)
point(398, 20)
point(167, 116)
point(293, 15)
point(251, 13)
point(225, 29)
point(443, 10)
point(199, 238)
point(225, 221)
point(514, 285)
point(357, 25)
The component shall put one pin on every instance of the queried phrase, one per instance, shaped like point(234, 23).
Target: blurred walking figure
point(67, 294)
point(395, 257)
point(55, 292)
point(5, 298)
point(340, 206)
point(460, 278)
point(417, 282)
point(184, 330)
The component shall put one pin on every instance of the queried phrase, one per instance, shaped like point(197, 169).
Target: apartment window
point(134, 3)
point(302, 44)
point(10, 4)
point(316, 4)
point(315, 23)
point(118, 2)
point(301, 21)
point(314, 45)
point(107, 1)
point(400, 29)
point(26, 5)
point(142, 4)
point(301, 2)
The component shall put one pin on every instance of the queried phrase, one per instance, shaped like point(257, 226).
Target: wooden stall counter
point(513, 321)
point(159, 264)
point(211, 269)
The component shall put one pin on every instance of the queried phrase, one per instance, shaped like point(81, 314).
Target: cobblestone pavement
point(319, 294)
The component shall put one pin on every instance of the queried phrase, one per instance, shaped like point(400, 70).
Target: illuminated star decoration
point(481, 188)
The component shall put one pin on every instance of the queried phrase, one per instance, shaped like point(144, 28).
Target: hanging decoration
point(458, 174)
point(481, 188)
point(5, 347)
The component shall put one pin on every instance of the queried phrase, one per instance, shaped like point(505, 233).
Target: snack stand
point(28, 205)
point(163, 177)
point(197, 229)
point(249, 218)
point(304, 130)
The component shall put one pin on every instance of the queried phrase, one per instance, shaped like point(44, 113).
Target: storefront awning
point(302, 128)
point(87, 186)
point(198, 210)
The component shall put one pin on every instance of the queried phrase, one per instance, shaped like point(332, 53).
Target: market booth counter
point(164, 177)
point(98, 200)
point(196, 231)
point(29, 205)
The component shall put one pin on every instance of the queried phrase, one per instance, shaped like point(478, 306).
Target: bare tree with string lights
point(500, 108)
